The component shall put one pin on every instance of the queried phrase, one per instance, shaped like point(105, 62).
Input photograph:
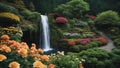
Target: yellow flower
point(2, 57)
point(38, 64)
point(14, 64)
point(10, 16)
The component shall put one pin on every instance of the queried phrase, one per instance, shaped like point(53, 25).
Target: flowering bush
point(18, 55)
point(83, 41)
point(13, 32)
point(61, 20)
point(65, 61)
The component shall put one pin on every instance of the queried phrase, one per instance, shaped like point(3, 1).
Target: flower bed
point(18, 55)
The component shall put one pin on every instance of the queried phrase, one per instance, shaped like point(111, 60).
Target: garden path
point(110, 45)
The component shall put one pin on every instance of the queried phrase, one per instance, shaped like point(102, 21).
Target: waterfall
point(45, 33)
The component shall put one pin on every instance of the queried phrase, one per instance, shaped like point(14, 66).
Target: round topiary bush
point(61, 20)
point(107, 19)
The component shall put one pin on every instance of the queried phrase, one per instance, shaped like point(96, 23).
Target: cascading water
point(45, 33)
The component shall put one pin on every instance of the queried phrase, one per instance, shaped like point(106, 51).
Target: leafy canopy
point(107, 18)
point(73, 8)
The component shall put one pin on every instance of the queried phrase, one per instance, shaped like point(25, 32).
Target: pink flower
point(61, 20)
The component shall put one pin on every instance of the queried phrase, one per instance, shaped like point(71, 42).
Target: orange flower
point(15, 45)
point(51, 66)
point(24, 45)
point(33, 48)
point(14, 64)
point(44, 58)
point(5, 48)
point(5, 37)
point(38, 64)
point(2, 57)
point(32, 53)
point(23, 52)
point(40, 50)
point(71, 43)
point(37, 56)
point(78, 40)
point(103, 40)
point(33, 45)
point(81, 66)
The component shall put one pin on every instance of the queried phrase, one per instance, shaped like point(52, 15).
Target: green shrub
point(100, 64)
point(116, 51)
point(117, 42)
point(29, 15)
point(98, 53)
point(72, 7)
point(8, 8)
point(78, 30)
point(65, 61)
point(116, 61)
point(107, 19)
point(78, 48)
point(109, 64)
point(97, 58)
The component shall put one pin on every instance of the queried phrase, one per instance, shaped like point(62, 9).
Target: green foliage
point(8, 8)
point(117, 42)
point(95, 53)
point(55, 32)
point(116, 51)
point(29, 5)
point(78, 48)
point(73, 8)
point(65, 61)
point(16, 37)
point(97, 58)
point(28, 25)
point(107, 19)
point(103, 5)
point(29, 15)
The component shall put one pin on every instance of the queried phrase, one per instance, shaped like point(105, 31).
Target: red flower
point(103, 40)
point(61, 20)
point(92, 17)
